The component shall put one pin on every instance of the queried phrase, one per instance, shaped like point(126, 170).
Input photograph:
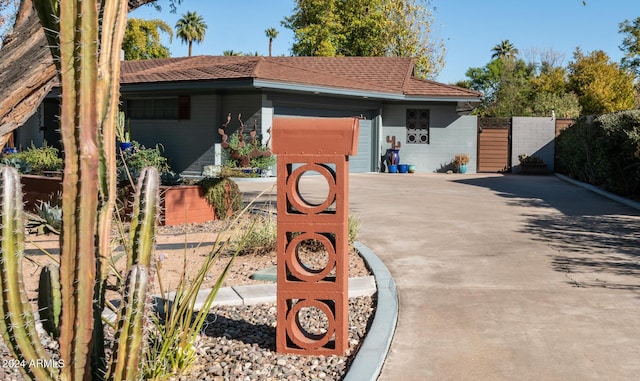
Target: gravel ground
point(238, 342)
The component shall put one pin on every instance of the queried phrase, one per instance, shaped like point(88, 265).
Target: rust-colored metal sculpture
point(240, 153)
point(320, 145)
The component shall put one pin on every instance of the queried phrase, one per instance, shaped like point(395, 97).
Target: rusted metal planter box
point(183, 204)
point(37, 188)
point(180, 204)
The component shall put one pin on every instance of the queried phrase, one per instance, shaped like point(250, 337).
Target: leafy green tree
point(142, 39)
point(409, 31)
point(564, 105)
point(514, 90)
point(486, 79)
point(504, 49)
point(550, 92)
point(367, 28)
point(511, 87)
point(271, 34)
point(601, 85)
point(631, 45)
point(551, 80)
point(502, 81)
point(191, 27)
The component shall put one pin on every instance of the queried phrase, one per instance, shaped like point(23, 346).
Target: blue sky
point(469, 28)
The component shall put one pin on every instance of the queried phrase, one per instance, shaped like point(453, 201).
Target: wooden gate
point(494, 144)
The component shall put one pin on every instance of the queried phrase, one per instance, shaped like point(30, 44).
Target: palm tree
point(191, 27)
point(271, 33)
point(231, 53)
point(504, 49)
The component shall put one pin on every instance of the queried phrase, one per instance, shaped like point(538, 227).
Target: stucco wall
point(532, 137)
point(450, 134)
point(188, 144)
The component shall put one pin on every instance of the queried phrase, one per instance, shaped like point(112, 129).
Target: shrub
point(263, 162)
point(244, 151)
point(260, 235)
point(234, 145)
point(131, 162)
point(140, 157)
point(353, 228)
point(45, 158)
point(354, 224)
point(223, 194)
point(603, 152)
point(526, 159)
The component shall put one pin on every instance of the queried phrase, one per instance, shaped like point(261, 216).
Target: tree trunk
point(27, 70)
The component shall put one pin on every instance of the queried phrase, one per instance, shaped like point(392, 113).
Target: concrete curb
point(253, 179)
point(373, 351)
point(266, 293)
point(592, 188)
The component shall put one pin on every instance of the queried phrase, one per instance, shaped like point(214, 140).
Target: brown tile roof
point(391, 75)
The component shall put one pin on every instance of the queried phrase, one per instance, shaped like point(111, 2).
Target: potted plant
point(392, 156)
point(460, 162)
point(123, 135)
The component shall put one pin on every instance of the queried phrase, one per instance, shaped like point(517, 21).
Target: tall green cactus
point(129, 337)
point(18, 324)
point(87, 53)
point(50, 299)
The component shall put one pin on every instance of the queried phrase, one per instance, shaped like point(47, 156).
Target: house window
point(417, 126)
point(184, 107)
point(153, 108)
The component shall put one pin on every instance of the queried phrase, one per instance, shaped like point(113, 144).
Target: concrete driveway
point(503, 277)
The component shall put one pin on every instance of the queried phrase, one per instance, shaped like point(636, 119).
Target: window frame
point(418, 126)
point(159, 108)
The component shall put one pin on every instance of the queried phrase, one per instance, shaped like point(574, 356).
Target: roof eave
point(187, 85)
point(314, 89)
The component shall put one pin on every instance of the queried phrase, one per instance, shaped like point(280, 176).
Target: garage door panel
point(362, 161)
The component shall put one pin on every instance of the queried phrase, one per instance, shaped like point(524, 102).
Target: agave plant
point(21, 165)
point(49, 218)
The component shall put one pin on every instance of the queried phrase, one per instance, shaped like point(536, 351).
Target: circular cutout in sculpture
point(303, 327)
point(305, 271)
point(293, 188)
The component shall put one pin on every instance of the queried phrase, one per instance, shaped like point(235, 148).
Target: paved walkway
point(502, 277)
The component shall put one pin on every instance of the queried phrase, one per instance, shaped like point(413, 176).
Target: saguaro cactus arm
point(129, 339)
point(114, 18)
point(50, 299)
point(17, 324)
point(143, 220)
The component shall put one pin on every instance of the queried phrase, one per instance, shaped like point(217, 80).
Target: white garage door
point(363, 160)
